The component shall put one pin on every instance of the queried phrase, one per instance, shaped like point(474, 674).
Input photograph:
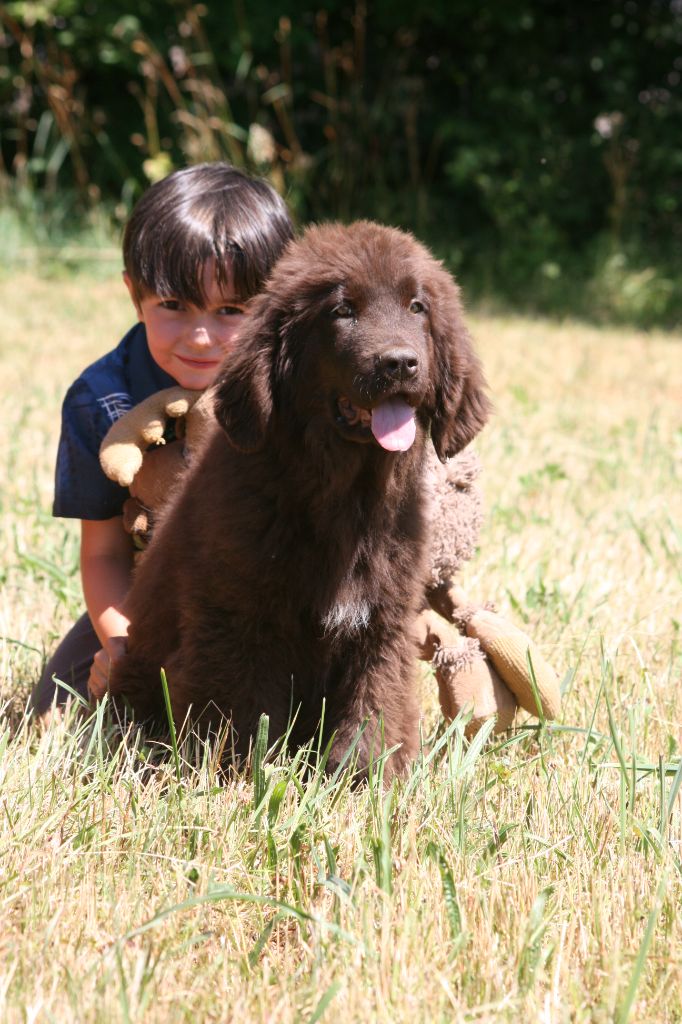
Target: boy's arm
point(106, 567)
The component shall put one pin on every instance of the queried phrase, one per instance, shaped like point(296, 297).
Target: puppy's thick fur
point(289, 567)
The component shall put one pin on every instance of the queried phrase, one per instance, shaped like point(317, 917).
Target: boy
point(199, 244)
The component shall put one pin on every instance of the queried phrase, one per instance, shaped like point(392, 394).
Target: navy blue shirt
point(102, 393)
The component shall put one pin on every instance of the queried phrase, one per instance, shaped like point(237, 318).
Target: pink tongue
point(393, 425)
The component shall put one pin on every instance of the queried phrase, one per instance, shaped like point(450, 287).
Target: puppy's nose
point(399, 363)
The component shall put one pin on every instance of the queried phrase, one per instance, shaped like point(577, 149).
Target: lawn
point(532, 876)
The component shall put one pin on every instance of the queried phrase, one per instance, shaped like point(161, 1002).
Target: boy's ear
point(131, 291)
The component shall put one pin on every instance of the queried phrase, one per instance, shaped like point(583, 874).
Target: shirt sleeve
point(82, 491)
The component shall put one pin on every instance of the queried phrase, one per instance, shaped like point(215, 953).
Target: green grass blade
point(625, 1009)
point(260, 750)
point(171, 725)
point(324, 1002)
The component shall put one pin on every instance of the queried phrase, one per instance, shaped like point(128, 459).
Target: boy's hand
point(102, 663)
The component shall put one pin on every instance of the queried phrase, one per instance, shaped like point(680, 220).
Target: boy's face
point(187, 342)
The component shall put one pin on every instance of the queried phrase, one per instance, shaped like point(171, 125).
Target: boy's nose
point(200, 336)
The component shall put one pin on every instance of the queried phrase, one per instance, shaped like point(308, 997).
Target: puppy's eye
point(343, 311)
point(417, 307)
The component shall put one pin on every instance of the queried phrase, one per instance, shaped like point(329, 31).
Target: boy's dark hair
point(207, 211)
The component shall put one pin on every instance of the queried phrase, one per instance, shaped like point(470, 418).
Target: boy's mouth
point(199, 364)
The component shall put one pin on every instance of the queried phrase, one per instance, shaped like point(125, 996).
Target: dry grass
point(537, 877)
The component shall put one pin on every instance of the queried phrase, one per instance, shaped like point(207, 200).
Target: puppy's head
point(359, 332)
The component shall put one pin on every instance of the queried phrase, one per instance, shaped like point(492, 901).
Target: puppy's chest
point(347, 570)
point(373, 589)
point(348, 610)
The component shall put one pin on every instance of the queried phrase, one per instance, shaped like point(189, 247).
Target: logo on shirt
point(116, 404)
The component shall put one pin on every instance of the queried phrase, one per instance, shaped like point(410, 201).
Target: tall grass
point(531, 876)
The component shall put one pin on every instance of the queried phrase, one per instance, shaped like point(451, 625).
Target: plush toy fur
point(135, 454)
point(482, 662)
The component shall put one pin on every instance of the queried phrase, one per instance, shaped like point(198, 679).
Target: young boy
point(199, 244)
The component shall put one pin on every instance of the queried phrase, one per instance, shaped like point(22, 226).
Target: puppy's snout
point(399, 364)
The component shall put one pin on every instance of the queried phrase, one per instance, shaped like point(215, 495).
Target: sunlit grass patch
point(531, 876)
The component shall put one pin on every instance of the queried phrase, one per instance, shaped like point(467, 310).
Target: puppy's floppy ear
point(243, 399)
point(460, 402)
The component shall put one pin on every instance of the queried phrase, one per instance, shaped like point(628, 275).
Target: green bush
point(522, 140)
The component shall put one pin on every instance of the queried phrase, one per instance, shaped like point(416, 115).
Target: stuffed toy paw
point(484, 665)
point(134, 452)
point(467, 680)
point(123, 449)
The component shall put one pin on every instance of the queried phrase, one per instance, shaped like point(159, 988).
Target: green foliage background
point(533, 143)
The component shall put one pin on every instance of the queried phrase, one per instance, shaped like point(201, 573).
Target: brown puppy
point(289, 567)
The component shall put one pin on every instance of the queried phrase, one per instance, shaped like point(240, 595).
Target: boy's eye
point(231, 311)
point(172, 304)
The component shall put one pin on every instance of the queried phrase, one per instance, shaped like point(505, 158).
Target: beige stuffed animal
point(134, 452)
point(486, 669)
